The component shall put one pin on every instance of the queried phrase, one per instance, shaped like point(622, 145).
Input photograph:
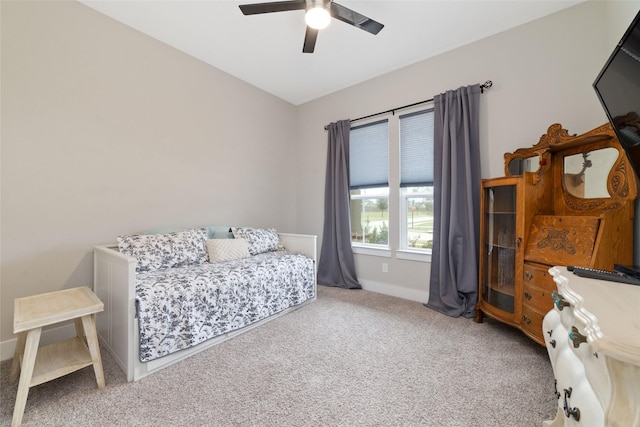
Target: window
point(370, 216)
point(369, 183)
point(417, 225)
point(416, 180)
point(392, 202)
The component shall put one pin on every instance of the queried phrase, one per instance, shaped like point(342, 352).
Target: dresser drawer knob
point(559, 301)
point(526, 319)
point(553, 343)
point(576, 337)
point(527, 295)
point(568, 411)
point(528, 275)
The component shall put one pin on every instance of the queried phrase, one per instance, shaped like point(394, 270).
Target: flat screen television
point(618, 87)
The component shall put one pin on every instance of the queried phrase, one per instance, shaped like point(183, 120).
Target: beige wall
point(106, 131)
point(542, 74)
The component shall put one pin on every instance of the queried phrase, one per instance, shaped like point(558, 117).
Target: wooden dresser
point(568, 200)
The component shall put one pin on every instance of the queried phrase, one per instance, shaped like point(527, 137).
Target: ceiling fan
point(318, 15)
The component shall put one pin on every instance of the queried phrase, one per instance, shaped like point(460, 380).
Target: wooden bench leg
point(15, 364)
point(89, 324)
point(79, 328)
point(26, 372)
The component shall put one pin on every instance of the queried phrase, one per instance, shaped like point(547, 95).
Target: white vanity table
point(593, 339)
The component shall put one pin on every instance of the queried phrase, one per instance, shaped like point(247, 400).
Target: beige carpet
point(351, 358)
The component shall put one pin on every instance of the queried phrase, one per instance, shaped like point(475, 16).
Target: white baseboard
point(395, 291)
point(49, 336)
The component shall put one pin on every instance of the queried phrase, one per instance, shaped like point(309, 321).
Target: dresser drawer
point(538, 275)
point(537, 298)
point(537, 287)
point(532, 323)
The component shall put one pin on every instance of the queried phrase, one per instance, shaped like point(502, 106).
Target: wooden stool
point(39, 365)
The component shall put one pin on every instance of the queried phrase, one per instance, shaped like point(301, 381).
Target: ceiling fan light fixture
point(317, 17)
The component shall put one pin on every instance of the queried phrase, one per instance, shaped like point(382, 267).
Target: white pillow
point(227, 249)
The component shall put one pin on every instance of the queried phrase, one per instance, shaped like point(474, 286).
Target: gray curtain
point(336, 266)
point(454, 261)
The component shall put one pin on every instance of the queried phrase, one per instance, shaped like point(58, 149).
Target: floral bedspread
point(181, 307)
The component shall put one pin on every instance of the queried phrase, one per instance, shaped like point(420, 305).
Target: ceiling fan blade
point(310, 38)
point(274, 6)
point(351, 17)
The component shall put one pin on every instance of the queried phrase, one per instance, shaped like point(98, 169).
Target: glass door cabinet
point(501, 237)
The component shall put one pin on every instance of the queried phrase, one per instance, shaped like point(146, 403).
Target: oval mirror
point(518, 166)
point(586, 174)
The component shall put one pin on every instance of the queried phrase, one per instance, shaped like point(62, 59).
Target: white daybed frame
point(117, 325)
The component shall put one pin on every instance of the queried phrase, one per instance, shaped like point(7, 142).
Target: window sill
point(414, 255)
point(373, 251)
point(406, 254)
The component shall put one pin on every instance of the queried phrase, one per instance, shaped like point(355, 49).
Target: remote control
point(612, 276)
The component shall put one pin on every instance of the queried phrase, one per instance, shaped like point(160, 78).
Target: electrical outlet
point(385, 267)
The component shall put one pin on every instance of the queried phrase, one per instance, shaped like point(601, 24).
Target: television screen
point(618, 87)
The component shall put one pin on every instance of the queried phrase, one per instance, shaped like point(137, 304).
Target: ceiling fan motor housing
point(318, 3)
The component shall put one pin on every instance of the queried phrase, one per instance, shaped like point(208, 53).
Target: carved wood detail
point(555, 135)
point(618, 184)
point(557, 240)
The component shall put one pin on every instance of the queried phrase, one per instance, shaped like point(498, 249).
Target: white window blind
point(416, 149)
point(369, 155)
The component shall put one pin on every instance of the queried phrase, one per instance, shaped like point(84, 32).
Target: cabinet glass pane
point(498, 287)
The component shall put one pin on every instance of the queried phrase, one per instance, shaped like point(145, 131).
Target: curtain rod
point(485, 85)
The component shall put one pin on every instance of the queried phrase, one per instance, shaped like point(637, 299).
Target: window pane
point(369, 155)
point(370, 216)
point(416, 149)
point(419, 218)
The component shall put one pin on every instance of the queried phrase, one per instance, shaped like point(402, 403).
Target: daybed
point(170, 295)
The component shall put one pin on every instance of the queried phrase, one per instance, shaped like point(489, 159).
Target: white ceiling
point(266, 50)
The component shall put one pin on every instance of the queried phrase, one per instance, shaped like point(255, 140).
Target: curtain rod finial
point(486, 85)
